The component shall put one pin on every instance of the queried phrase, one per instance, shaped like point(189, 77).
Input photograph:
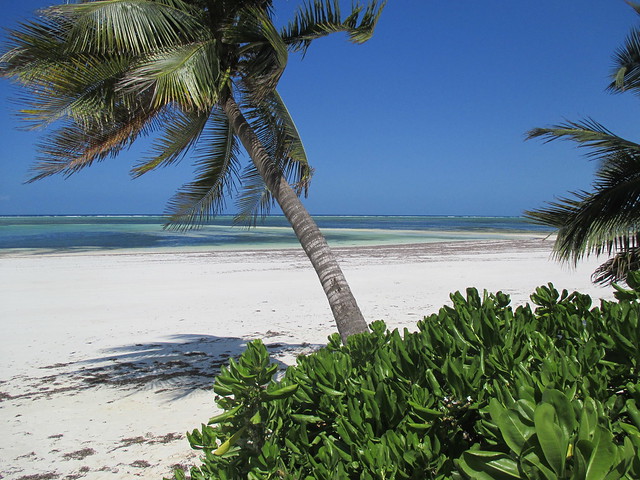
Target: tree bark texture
point(347, 314)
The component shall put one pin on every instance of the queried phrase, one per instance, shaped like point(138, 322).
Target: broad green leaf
point(224, 448)
point(633, 411)
point(283, 392)
point(484, 465)
point(526, 408)
point(602, 457)
point(632, 432)
point(532, 461)
point(424, 412)
point(329, 391)
point(419, 426)
point(563, 410)
point(256, 419)
point(298, 417)
point(579, 465)
point(588, 420)
point(178, 474)
point(552, 440)
point(224, 416)
point(514, 432)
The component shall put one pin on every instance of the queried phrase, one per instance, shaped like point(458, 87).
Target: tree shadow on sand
point(177, 367)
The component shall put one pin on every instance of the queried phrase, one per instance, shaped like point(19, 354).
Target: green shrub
point(480, 391)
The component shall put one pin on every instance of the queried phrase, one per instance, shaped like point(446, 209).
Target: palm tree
point(202, 76)
point(605, 220)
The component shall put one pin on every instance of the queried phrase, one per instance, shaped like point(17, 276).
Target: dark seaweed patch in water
point(59, 240)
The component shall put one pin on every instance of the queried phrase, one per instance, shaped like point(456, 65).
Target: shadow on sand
point(178, 366)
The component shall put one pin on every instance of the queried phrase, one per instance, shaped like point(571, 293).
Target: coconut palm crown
point(605, 220)
point(200, 75)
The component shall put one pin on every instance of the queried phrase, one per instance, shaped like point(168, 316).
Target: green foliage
point(481, 391)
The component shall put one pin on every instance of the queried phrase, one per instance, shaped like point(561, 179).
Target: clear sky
point(427, 118)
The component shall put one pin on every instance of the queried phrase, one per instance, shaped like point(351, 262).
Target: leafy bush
point(479, 391)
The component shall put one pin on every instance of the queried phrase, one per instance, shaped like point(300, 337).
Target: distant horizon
point(268, 215)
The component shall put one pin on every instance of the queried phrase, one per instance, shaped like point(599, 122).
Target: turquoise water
point(147, 232)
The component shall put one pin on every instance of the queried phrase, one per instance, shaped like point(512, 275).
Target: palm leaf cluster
point(605, 220)
point(104, 73)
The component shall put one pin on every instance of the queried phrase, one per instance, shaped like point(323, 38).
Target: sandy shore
point(107, 358)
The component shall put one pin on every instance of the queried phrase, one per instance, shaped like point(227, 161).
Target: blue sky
point(427, 118)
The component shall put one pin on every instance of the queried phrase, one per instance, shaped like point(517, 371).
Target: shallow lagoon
point(147, 232)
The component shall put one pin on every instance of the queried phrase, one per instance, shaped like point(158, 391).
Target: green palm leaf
point(81, 88)
point(33, 47)
point(297, 169)
point(134, 26)
point(263, 52)
point(217, 171)
point(58, 83)
point(587, 134)
point(626, 74)
point(606, 219)
point(73, 147)
point(616, 269)
point(254, 201)
point(188, 76)
point(277, 132)
point(319, 18)
point(182, 131)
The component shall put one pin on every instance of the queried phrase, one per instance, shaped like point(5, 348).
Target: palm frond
point(57, 83)
point(606, 219)
point(134, 26)
point(73, 147)
point(587, 134)
point(617, 268)
point(319, 18)
point(263, 53)
point(277, 132)
point(626, 73)
point(188, 75)
point(33, 46)
point(82, 88)
point(297, 170)
point(254, 201)
point(217, 171)
point(583, 230)
point(181, 131)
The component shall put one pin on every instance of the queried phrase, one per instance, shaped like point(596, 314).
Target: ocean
point(100, 232)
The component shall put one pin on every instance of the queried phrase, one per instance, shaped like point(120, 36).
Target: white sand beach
point(107, 358)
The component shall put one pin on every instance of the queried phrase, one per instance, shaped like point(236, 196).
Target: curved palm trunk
point(346, 312)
